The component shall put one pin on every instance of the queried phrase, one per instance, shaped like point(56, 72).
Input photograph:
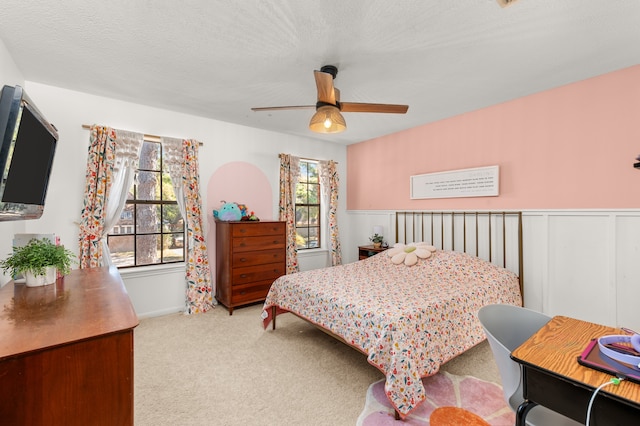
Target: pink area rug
point(443, 390)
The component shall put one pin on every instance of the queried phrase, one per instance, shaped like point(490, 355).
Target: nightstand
point(370, 250)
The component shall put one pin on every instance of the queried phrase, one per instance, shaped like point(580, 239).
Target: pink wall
point(572, 147)
point(239, 182)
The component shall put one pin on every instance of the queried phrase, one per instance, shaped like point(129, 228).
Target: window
point(308, 206)
point(150, 230)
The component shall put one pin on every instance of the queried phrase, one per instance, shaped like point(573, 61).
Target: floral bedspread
point(408, 320)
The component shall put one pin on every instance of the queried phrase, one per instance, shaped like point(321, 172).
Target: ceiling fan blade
point(365, 107)
point(284, 107)
point(324, 83)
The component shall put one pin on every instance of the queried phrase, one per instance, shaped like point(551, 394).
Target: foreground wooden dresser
point(249, 257)
point(66, 351)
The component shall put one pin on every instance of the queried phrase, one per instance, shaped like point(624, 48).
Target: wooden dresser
point(250, 255)
point(66, 351)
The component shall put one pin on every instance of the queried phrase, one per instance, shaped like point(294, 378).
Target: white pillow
point(410, 253)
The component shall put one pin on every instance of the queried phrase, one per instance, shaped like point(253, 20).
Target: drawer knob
point(243, 259)
point(243, 276)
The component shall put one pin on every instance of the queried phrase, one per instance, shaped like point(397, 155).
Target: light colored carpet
point(217, 369)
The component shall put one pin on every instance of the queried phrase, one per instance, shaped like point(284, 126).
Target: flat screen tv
point(27, 146)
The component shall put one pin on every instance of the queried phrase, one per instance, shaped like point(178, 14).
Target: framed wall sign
point(476, 182)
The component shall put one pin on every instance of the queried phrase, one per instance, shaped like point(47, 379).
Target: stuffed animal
point(251, 216)
point(243, 210)
point(228, 212)
point(410, 253)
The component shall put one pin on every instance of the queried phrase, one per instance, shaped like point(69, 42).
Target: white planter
point(39, 280)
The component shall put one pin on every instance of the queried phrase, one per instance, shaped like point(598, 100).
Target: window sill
point(312, 252)
point(151, 270)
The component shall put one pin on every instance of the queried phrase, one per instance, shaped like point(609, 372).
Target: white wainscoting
point(583, 263)
point(313, 259)
point(156, 290)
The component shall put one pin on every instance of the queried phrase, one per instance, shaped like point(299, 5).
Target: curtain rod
point(306, 159)
point(151, 138)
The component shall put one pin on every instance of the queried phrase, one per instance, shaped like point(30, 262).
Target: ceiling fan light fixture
point(505, 3)
point(327, 119)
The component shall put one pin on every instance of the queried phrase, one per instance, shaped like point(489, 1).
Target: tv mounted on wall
point(27, 146)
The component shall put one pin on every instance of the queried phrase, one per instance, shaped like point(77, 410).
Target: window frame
point(319, 206)
point(168, 237)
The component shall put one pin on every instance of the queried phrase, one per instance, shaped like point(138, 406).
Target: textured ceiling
point(218, 59)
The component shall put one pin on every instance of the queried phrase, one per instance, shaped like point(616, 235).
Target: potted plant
point(376, 240)
point(38, 262)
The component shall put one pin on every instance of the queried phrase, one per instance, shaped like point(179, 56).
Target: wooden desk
point(553, 378)
point(66, 351)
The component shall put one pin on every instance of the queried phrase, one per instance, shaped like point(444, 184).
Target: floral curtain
point(329, 182)
point(111, 165)
point(98, 178)
point(289, 173)
point(181, 161)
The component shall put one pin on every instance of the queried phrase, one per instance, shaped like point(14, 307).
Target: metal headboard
point(492, 236)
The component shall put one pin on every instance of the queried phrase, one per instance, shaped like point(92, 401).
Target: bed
point(409, 320)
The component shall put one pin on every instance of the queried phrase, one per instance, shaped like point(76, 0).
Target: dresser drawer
point(268, 272)
point(251, 258)
point(248, 293)
point(251, 229)
point(267, 242)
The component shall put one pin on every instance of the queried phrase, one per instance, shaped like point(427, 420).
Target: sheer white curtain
point(128, 145)
point(172, 163)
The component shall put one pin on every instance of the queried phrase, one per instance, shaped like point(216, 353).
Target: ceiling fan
point(327, 118)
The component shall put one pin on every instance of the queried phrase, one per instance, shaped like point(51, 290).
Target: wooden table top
point(84, 304)
point(556, 347)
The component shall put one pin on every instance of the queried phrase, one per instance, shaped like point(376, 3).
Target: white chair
point(507, 327)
